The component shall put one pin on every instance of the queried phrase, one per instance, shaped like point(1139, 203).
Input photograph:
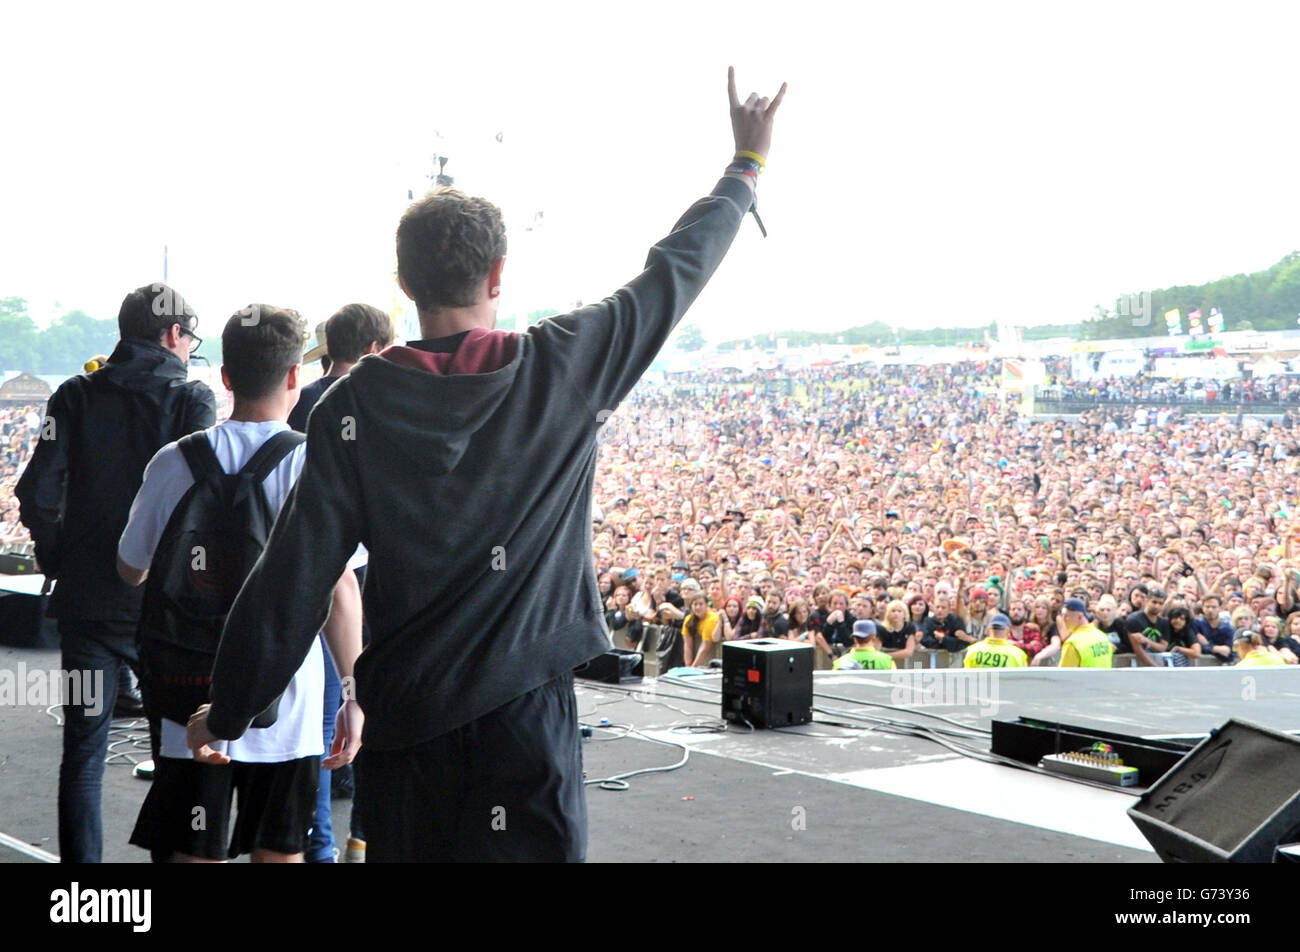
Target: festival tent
point(1197, 368)
point(1267, 367)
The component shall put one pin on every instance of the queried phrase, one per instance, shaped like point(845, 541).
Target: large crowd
point(918, 498)
point(19, 431)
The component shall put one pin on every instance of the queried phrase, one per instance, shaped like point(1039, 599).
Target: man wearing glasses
point(99, 432)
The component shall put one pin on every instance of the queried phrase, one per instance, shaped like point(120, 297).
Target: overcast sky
point(934, 164)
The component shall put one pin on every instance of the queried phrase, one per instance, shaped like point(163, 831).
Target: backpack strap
point(269, 455)
point(198, 453)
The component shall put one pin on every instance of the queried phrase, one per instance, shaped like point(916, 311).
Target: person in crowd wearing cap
point(100, 431)
point(976, 612)
point(996, 650)
point(751, 620)
point(1085, 646)
point(865, 652)
point(1252, 652)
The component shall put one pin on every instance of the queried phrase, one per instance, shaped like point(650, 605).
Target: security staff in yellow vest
point(1253, 653)
point(995, 651)
point(1085, 646)
point(865, 652)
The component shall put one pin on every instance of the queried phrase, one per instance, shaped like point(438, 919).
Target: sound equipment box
point(767, 682)
point(12, 563)
point(1234, 798)
point(615, 666)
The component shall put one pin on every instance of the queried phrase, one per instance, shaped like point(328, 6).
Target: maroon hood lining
point(481, 352)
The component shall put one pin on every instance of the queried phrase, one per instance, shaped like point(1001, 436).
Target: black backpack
point(213, 537)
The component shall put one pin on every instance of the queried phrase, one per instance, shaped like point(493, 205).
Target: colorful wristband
point(754, 156)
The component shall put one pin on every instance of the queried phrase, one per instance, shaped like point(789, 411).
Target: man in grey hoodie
point(464, 463)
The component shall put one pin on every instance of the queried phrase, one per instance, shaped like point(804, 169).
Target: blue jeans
point(320, 843)
point(103, 649)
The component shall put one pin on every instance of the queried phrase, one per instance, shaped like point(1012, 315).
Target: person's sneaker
point(143, 770)
point(356, 851)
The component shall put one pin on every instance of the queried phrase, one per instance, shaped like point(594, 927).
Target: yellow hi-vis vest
point(994, 653)
point(1261, 658)
point(1092, 647)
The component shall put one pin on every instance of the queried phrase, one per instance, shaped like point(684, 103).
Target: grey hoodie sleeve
point(604, 349)
point(286, 597)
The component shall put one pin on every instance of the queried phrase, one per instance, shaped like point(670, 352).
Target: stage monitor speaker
point(1233, 799)
point(615, 666)
point(23, 623)
point(767, 682)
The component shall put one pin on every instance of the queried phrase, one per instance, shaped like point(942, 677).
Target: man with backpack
point(99, 431)
point(199, 522)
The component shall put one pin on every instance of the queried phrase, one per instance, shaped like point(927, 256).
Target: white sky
point(934, 164)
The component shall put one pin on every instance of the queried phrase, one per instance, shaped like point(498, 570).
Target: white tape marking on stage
point(1004, 793)
point(1077, 810)
point(35, 852)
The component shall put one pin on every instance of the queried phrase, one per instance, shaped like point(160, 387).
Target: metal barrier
point(1049, 406)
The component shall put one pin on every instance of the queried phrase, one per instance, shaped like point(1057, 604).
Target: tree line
point(1262, 301)
point(61, 348)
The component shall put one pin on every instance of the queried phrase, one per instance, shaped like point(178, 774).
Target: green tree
point(18, 336)
point(690, 338)
point(73, 339)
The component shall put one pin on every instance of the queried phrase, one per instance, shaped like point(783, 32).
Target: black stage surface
point(860, 784)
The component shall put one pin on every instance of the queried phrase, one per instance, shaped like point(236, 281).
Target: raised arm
point(603, 349)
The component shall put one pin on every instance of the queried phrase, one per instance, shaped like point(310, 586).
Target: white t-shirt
point(297, 731)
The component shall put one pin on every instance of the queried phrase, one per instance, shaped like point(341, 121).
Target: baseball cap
point(1076, 605)
point(999, 621)
point(864, 628)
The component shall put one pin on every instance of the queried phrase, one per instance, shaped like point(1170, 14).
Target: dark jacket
point(468, 477)
point(77, 490)
point(307, 399)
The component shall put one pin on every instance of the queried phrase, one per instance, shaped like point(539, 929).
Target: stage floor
point(818, 792)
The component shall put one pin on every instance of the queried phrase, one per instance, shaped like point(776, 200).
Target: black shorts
point(506, 787)
point(189, 804)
